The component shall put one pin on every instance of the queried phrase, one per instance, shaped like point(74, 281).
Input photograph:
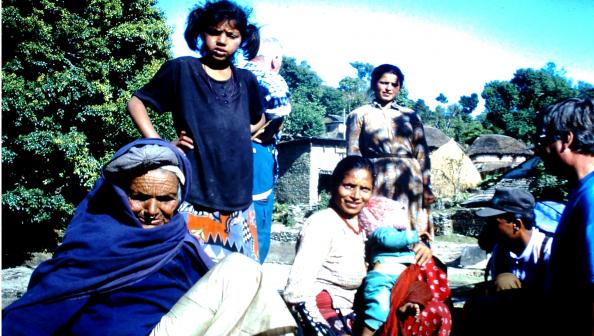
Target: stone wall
point(293, 184)
point(303, 163)
point(457, 220)
point(466, 223)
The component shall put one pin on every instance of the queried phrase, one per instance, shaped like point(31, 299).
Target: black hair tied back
point(193, 28)
point(251, 42)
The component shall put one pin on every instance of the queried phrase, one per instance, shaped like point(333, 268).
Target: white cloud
point(434, 58)
point(180, 48)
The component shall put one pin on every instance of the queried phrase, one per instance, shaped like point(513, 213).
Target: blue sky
point(454, 46)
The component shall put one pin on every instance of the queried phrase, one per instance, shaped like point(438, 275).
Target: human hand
point(505, 281)
point(428, 197)
point(422, 254)
point(412, 309)
point(425, 236)
point(184, 143)
point(260, 131)
point(256, 134)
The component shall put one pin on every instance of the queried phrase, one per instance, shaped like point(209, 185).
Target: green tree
point(464, 129)
point(540, 88)
point(469, 103)
point(454, 120)
point(68, 69)
point(452, 114)
point(307, 115)
point(333, 101)
point(442, 98)
point(510, 106)
point(354, 92)
point(364, 71)
point(306, 120)
point(500, 98)
point(299, 76)
point(585, 89)
point(403, 100)
point(425, 112)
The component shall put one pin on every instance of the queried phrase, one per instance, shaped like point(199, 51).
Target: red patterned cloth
point(435, 317)
point(437, 279)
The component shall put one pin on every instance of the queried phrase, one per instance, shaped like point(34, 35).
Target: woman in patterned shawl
point(392, 136)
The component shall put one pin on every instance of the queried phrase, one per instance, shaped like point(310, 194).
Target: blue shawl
point(105, 247)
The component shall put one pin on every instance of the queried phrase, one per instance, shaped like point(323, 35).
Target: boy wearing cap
point(518, 264)
point(521, 253)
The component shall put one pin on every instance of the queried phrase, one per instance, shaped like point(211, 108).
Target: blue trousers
point(376, 297)
point(264, 163)
point(263, 224)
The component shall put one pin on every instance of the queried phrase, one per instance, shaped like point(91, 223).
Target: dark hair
point(214, 12)
point(527, 218)
point(575, 115)
point(379, 71)
point(347, 164)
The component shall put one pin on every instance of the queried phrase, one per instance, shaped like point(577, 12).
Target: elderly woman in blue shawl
point(127, 258)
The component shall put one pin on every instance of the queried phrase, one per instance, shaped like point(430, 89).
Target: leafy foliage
point(442, 98)
point(511, 106)
point(549, 187)
point(281, 213)
point(307, 115)
point(454, 120)
point(469, 103)
point(68, 69)
point(354, 92)
point(306, 119)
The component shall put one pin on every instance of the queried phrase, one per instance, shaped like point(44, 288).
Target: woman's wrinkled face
point(353, 192)
point(222, 40)
point(153, 197)
point(387, 88)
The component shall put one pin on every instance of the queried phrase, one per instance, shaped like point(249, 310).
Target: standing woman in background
point(215, 107)
point(392, 136)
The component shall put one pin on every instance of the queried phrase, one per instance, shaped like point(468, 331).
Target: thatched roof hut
point(452, 171)
point(498, 144)
point(435, 138)
point(494, 151)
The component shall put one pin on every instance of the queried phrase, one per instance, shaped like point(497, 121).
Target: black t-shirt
point(217, 116)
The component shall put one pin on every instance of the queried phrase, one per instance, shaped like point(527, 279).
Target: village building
point(306, 165)
point(495, 152)
point(452, 171)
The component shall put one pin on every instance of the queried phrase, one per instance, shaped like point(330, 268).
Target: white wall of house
point(323, 159)
point(497, 158)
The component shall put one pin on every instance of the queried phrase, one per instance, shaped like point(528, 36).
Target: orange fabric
point(427, 286)
point(216, 228)
point(399, 294)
